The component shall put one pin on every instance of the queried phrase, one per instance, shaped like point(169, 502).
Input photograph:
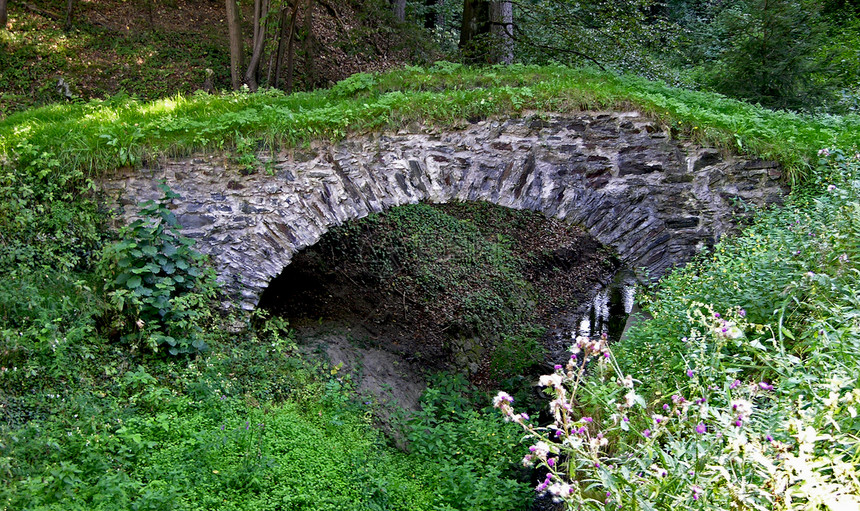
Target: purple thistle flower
point(700, 428)
point(765, 385)
point(558, 367)
point(690, 373)
point(735, 384)
point(550, 462)
point(646, 433)
point(587, 419)
point(769, 438)
point(742, 313)
point(665, 406)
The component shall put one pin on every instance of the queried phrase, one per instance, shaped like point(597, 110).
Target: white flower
point(742, 408)
point(550, 380)
point(626, 382)
point(540, 450)
point(630, 399)
point(501, 399)
point(560, 490)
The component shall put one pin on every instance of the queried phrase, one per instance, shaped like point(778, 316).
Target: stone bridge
point(655, 200)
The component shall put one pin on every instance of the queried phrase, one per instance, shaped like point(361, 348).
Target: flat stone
point(656, 200)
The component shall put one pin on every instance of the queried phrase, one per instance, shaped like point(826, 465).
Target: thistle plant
point(722, 440)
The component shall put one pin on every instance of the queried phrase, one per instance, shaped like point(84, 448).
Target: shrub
point(157, 281)
point(470, 456)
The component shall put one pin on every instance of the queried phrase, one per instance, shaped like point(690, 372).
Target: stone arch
point(655, 200)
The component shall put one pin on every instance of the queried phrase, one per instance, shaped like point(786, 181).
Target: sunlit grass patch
point(441, 94)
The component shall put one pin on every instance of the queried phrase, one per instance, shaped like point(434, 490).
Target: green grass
point(89, 424)
point(78, 402)
point(102, 135)
point(97, 61)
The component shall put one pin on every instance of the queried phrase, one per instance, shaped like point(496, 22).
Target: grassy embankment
point(249, 424)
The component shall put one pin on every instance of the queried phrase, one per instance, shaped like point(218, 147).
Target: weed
point(157, 282)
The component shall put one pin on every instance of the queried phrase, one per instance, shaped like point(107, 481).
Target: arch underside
point(655, 200)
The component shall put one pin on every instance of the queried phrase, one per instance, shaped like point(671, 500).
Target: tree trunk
point(4, 16)
point(476, 22)
point(237, 50)
point(291, 48)
point(502, 28)
point(261, 9)
point(70, 7)
point(400, 10)
point(310, 43)
point(284, 29)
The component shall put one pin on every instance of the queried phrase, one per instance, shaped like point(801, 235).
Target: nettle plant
point(158, 282)
point(720, 441)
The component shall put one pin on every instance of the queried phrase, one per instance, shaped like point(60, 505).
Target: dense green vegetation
point(115, 359)
point(741, 392)
point(785, 54)
point(102, 134)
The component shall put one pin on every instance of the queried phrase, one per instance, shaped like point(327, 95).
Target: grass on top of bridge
point(101, 135)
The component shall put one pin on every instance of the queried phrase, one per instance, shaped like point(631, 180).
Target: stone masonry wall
point(655, 200)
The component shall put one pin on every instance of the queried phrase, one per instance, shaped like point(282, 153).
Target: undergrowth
point(740, 392)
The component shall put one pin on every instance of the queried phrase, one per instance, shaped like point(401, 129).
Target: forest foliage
point(122, 388)
point(782, 54)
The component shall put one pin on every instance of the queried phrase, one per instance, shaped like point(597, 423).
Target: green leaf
point(133, 282)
